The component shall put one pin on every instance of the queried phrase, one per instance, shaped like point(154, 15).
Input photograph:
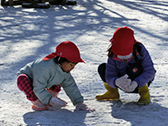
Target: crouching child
point(41, 80)
point(129, 67)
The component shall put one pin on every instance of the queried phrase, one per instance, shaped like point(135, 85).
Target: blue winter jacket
point(116, 67)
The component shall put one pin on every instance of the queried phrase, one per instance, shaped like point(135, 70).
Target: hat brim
point(122, 52)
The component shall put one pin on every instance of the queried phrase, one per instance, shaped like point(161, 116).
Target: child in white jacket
point(41, 80)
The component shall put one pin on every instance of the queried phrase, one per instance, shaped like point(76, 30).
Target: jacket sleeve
point(40, 78)
point(111, 72)
point(148, 73)
point(72, 90)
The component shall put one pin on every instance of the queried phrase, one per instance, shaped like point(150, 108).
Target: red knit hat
point(68, 50)
point(123, 41)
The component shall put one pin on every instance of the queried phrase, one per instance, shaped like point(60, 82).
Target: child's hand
point(53, 93)
point(123, 82)
point(131, 87)
point(56, 102)
point(83, 107)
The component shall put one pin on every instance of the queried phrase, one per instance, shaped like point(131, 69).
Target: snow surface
point(27, 34)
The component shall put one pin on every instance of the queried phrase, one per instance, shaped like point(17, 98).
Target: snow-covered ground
point(27, 34)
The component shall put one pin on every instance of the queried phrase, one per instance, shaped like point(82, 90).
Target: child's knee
point(22, 81)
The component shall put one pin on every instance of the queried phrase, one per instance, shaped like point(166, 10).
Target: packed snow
point(27, 34)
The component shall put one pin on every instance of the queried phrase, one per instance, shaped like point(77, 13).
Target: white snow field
point(27, 34)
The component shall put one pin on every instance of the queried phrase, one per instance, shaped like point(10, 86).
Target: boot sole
point(39, 109)
point(107, 99)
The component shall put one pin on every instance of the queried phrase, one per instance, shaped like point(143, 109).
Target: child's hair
point(109, 50)
point(60, 60)
point(136, 48)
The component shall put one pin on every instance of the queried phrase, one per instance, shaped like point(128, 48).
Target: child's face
point(67, 66)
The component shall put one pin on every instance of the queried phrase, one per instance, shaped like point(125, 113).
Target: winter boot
point(144, 95)
point(111, 94)
point(37, 105)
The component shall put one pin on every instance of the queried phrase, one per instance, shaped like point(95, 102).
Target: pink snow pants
point(25, 85)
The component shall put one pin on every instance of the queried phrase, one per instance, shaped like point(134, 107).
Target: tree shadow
point(138, 115)
point(45, 28)
point(61, 117)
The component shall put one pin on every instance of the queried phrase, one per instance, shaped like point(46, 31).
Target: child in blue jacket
point(129, 67)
